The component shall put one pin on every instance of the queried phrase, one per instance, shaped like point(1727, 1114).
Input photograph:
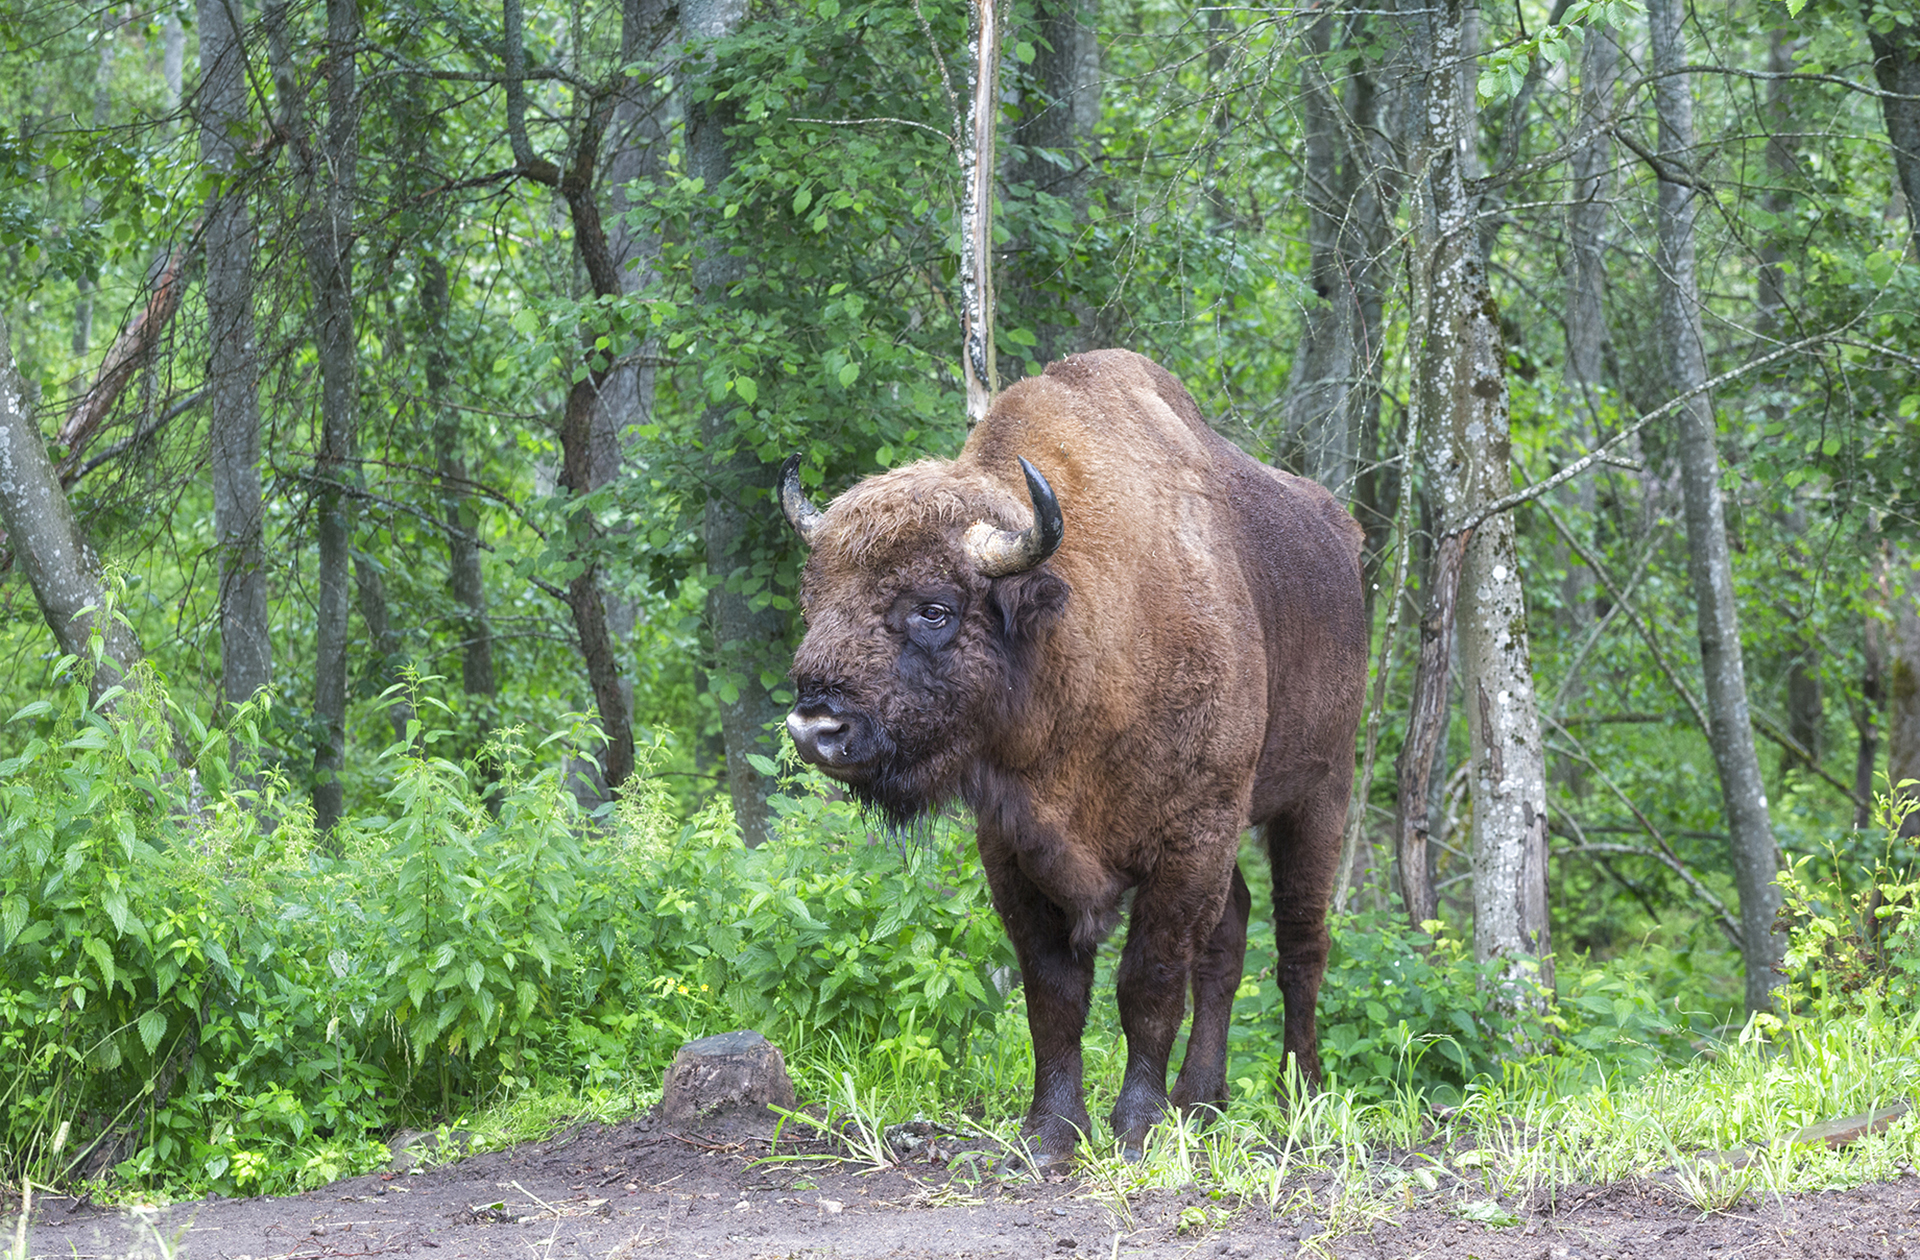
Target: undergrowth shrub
point(199, 993)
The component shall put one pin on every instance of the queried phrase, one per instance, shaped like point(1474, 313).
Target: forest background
point(396, 616)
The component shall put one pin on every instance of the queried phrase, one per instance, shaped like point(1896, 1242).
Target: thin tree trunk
point(748, 639)
point(47, 543)
point(1464, 386)
point(1318, 423)
point(173, 60)
point(457, 506)
point(977, 170)
point(1586, 319)
point(637, 153)
point(1059, 99)
point(1427, 715)
point(1896, 64)
point(233, 399)
point(328, 241)
point(576, 186)
point(1709, 564)
point(1873, 698)
point(1903, 685)
point(389, 647)
point(102, 108)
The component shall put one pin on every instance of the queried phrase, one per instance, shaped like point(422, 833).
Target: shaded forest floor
point(635, 1189)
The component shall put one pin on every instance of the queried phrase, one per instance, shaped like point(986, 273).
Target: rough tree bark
point(233, 398)
point(327, 236)
point(1709, 564)
point(1462, 371)
point(46, 541)
point(748, 639)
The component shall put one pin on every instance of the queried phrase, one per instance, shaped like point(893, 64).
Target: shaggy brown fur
point(1189, 662)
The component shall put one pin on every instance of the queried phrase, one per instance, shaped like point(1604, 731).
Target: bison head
point(925, 599)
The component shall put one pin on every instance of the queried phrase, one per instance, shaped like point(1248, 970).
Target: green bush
point(207, 1002)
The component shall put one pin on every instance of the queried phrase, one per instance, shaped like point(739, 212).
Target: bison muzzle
point(1121, 641)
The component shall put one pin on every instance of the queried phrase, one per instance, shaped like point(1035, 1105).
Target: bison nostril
point(820, 736)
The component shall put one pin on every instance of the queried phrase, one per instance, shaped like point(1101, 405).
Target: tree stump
point(731, 1071)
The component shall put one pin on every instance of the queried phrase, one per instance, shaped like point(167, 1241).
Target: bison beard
point(1151, 645)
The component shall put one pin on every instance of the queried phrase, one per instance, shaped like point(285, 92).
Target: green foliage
point(1854, 946)
point(215, 1006)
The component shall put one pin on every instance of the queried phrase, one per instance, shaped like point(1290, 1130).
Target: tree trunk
point(1464, 392)
point(1585, 366)
point(102, 108)
point(749, 635)
point(637, 153)
point(456, 505)
point(576, 186)
point(46, 541)
point(1903, 686)
point(1709, 564)
point(173, 59)
point(1059, 99)
point(233, 399)
point(328, 243)
point(979, 131)
point(389, 648)
point(1896, 64)
point(1427, 715)
point(1873, 698)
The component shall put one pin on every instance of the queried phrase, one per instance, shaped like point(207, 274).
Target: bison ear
point(1028, 603)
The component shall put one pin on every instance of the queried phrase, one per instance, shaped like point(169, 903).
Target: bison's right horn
point(997, 552)
point(801, 514)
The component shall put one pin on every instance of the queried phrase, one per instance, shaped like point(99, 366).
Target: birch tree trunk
point(1709, 565)
point(233, 398)
point(976, 211)
point(1464, 391)
point(46, 541)
point(328, 236)
point(748, 633)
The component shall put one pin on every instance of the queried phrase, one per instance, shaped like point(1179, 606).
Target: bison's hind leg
point(1304, 846)
point(1216, 978)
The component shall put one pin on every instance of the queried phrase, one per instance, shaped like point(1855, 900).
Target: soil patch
point(636, 1190)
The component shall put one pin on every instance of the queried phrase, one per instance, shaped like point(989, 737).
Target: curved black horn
point(999, 552)
point(801, 514)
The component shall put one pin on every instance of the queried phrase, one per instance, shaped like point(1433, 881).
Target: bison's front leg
point(1174, 915)
point(1059, 984)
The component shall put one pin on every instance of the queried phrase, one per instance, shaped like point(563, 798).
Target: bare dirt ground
point(635, 1190)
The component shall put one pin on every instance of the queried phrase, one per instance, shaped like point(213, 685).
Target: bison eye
point(932, 616)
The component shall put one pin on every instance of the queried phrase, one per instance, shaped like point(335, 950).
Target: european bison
point(1154, 643)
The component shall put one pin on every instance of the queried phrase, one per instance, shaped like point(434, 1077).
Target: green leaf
point(763, 764)
point(748, 391)
point(1026, 52)
point(849, 374)
point(153, 1026)
point(802, 199)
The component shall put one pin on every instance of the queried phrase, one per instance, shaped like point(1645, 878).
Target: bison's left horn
point(801, 514)
point(997, 552)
